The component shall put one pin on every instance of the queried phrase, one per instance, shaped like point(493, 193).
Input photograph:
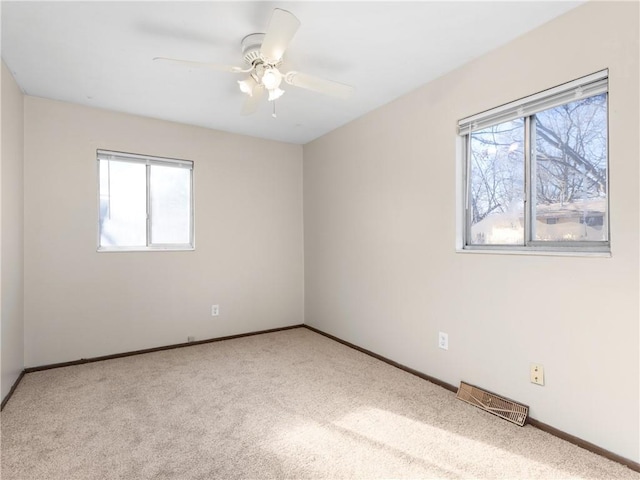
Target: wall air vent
point(492, 403)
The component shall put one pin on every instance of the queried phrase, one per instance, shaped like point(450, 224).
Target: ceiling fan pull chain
point(274, 109)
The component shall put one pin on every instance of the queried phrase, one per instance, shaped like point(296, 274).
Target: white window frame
point(148, 161)
point(590, 85)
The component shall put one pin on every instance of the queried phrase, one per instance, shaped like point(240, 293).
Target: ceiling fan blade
point(252, 102)
point(282, 27)
point(213, 66)
point(320, 85)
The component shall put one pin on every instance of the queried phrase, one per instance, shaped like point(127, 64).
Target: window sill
point(540, 252)
point(144, 249)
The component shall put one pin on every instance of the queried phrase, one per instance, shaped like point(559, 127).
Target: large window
point(146, 203)
point(536, 171)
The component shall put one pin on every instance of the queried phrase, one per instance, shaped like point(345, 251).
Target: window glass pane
point(170, 205)
point(569, 170)
point(123, 204)
point(496, 184)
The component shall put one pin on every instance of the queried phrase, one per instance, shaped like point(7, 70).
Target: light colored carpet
point(290, 405)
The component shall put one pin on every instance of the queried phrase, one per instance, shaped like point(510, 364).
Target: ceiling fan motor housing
point(251, 48)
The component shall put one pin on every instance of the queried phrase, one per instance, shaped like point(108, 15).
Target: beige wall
point(380, 264)
point(248, 234)
point(11, 232)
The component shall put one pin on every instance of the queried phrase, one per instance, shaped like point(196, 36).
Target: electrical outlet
point(215, 310)
point(537, 374)
point(443, 340)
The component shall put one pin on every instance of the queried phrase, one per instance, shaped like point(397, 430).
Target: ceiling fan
point(263, 53)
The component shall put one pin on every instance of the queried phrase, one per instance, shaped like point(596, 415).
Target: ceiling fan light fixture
point(275, 93)
point(271, 78)
point(246, 86)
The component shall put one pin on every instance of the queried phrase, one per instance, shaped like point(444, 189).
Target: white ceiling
point(100, 54)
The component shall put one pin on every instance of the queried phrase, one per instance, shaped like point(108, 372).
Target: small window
point(146, 203)
point(536, 171)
